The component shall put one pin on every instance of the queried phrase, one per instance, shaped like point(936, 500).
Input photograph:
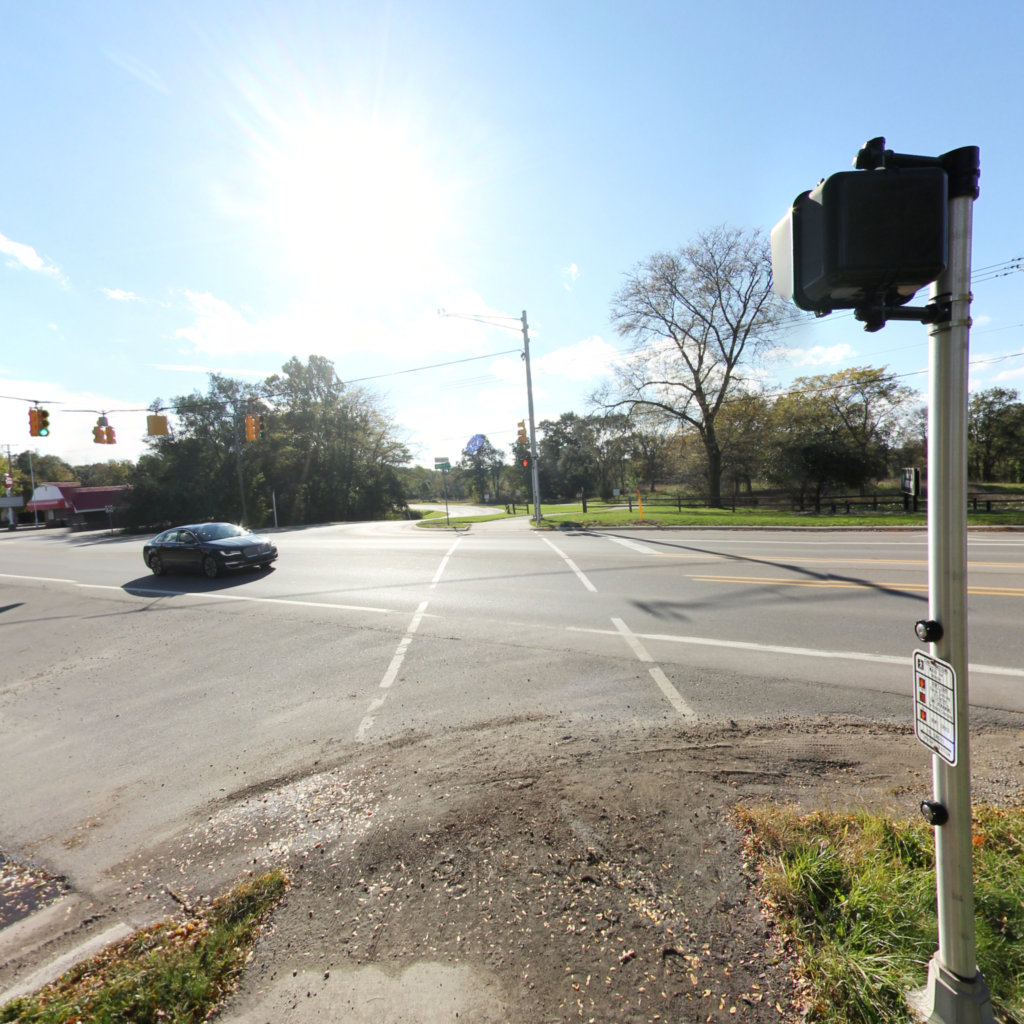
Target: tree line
point(682, 407)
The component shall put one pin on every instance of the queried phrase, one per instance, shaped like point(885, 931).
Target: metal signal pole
point(535, 474)
point(956, 992)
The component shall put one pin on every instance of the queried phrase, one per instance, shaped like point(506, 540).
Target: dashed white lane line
point(664, 683)
point(395, 666)
point(572, 565)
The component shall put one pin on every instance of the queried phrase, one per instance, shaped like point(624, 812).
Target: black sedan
point(211, 547)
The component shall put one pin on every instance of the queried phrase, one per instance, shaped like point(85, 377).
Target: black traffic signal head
point(861, 237)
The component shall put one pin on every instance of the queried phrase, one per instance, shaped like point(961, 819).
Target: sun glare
point(353, 206)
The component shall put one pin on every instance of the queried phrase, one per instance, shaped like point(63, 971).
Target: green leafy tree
point(836, 430)
point(328, 452)
point(337, 454)
point(995, 435)
point(743, 427)
point(45, 468)
point(484, 469)
point(105, 474)
point(648, 450)
point(569, 456)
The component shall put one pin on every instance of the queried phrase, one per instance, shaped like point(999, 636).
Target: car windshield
point(219, 531)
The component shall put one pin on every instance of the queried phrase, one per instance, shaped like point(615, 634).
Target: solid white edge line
point(36, 579)
point(802, 652)
point(53, 970)
point(147, 592)
point(572, 565)
point(631, 544)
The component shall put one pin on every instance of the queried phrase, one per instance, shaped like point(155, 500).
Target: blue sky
point(219, 186)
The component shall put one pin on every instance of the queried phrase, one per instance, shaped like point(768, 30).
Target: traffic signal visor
point(860, 237)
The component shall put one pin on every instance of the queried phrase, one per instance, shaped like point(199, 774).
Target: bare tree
point(694, 316)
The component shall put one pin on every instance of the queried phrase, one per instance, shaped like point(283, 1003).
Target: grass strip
point(175, 972)
point(555, 516)
point(854, 896)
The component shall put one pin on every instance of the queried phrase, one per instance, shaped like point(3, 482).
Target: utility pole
point(534, 472)
point(238, 454)
point(494, 322)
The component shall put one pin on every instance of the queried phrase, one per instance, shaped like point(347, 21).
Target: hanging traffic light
point(98, 435)
point(521, 437)
point(258, 426)
point(525, 462)
point(250, 428)
point(33, 421)
point(111, 437)
point(156, 426)
point(43, 423)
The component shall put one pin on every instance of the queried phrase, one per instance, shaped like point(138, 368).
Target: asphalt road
point(129, 702)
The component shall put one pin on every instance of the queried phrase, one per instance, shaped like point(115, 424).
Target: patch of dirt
point(553, 871)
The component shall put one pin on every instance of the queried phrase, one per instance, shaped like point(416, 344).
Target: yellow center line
point(798, 560)
point(849, 584)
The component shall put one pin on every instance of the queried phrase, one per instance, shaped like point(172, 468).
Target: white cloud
point(592, 357)
point(1009, 375)
point(120, 295)
point(328, 326)
point(817, 355)
point(219, 329)
point(570, 275)
point(232, 371)
point(25, 256)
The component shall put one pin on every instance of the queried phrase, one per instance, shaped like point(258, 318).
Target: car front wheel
point(210, 567)
point(156, 564)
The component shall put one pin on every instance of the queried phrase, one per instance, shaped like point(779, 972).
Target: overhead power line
point(433, 366)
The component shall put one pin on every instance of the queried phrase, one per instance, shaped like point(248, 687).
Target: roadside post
point(868, 240)
point(441, 462)
point(8, 486)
